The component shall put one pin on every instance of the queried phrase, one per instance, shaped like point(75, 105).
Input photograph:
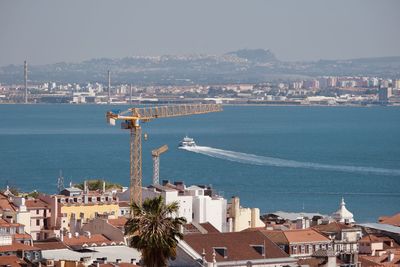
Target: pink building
point(40, 212)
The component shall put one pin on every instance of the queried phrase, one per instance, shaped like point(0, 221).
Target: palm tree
point(155, 230)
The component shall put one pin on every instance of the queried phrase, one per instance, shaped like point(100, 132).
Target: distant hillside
point(255, 55)
point(242, 66)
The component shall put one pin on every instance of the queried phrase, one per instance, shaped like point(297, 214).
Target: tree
point(155, 230)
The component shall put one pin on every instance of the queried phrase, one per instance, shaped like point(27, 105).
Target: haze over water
point(274, 158)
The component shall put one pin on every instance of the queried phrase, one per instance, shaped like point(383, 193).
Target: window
point(37, 212)
point(310, 249)
point(303, 249)
point(294, 249)
point(37, 222)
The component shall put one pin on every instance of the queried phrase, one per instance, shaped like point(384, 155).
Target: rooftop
point(238, 246)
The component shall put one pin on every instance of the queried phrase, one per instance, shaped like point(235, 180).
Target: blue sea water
point(275, 158)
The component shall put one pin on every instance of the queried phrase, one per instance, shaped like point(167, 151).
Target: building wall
point(89, 211)
point(185, 202)
point(212, 210)
point(101, 226)
point(243, 218)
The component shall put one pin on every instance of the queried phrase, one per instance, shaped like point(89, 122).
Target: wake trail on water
point(277, 162)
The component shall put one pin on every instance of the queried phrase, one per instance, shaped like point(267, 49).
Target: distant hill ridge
point(255, 55)
point(241, 66)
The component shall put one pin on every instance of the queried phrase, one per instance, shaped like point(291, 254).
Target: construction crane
point(131, 120)
point(156, 162)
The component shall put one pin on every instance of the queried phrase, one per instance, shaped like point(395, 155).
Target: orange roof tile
point(36, 203)
point(392, 220)
point(304, 236)
point(333, 227)
point(97, 239)
point(238, 245)
point(5, 204)
point(119, 222)
point(209, 227)
point(12, 261)
point(17, 247)
point(50, 244)
point(369, 238)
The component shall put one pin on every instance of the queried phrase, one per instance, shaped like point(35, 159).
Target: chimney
point(133, 261)
point(104, 186)
point(118, 261)
point(390, 256)
point(85, 187)
point(88, 234)
point(69, 235)
point(76, 234)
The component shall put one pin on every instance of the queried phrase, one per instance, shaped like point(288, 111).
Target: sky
point(48, 31)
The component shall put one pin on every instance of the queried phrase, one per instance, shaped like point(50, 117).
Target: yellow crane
point(131, 121)
point(156, 162)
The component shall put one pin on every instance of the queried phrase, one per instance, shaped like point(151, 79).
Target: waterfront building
point(40, 216)
point(230, 249)
point(73, 208)
point(342, 215)
point(198, 204)
point(344, 240)
point(299, 243)
point(13, 209)
point(384, 94)
point(240, 218)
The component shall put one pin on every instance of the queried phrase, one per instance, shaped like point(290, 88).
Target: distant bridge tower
point(60, 182)
point(156, 163)
point(26, 81)
point(109, 86)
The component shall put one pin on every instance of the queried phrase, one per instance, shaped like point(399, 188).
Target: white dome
point(342, 215)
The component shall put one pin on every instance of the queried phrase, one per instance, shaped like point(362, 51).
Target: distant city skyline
point(45, 32)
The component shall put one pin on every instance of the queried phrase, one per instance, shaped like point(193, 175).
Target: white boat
point(187, 142)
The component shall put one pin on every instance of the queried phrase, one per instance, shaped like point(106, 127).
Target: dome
point(342, 215)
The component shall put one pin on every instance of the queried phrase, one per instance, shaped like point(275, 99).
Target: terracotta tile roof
point(119, 222)
point(392, 220)
point(304, 236)
point(12, 261)
point(278, 237)
point(5, 204)
point(36, 204)
point(127, 265)
point(5, 223)
point(381, 260)
point(190, 229)
point(22, 236)
point(50, 245)
point(124, 204)
point(209, 227)
point(333, 227)
point(237, 244)
point(17, 247)
point(370, 238)
point(97, 239)
point(312, 262)
point(366, 262)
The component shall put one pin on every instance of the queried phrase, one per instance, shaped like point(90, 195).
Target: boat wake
point(277, 162)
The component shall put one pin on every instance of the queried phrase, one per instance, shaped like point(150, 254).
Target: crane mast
point(156, 162)
point(131, 120)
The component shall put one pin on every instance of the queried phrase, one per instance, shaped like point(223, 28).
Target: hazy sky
point(74, 30)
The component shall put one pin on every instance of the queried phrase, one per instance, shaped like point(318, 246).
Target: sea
point(276, 158)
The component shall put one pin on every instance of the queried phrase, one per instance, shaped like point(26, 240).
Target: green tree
point(155, 230)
